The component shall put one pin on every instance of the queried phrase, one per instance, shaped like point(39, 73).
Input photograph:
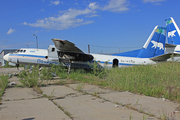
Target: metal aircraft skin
point(151, 53)
point(173, 36)
point(67, 53)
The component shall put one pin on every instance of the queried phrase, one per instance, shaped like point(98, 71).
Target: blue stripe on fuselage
point(112, 63)
point(27, 55)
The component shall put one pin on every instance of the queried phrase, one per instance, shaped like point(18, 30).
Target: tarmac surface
point(81, 102)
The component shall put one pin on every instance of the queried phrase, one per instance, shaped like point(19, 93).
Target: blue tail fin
point(173, 32)
point(155, 45)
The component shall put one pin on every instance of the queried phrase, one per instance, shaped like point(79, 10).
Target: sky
point(108, 26)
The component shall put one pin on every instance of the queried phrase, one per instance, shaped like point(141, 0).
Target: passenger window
point(24, 51)
point(53, 49)
point(21, 50)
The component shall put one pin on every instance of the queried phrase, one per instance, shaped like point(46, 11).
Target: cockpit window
point(53, 49)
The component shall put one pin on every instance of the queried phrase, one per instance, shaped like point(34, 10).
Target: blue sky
point(108, 26)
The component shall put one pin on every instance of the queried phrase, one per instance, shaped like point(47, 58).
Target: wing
point(164, 57)
point(68, 51)
point(66, 46)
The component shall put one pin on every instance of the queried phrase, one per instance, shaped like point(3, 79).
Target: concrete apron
point(158, 107)
point(87, 107)
point(26, 104)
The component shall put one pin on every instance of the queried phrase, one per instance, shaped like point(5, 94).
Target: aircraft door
point(115, 63)
point(52, 54)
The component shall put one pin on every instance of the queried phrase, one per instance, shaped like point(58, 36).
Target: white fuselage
point(110, 60)
point(40, 56)
point(29, 56)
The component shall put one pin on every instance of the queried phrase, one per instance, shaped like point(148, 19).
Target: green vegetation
point(3, 84)
point(160, 80)
point(30, 78)
point(46, 74)
point(9, 66)
point(60, 71)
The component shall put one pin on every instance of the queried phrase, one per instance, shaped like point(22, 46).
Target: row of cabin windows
point(21, 51)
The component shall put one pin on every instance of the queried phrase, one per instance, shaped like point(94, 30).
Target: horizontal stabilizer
point(164, 57)
point(170, 45)
point(154, 46)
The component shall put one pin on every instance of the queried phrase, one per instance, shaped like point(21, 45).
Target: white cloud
point(55, 2)
point(116, 5)
point(74, 17)
point(11, 31)
point(93, 6)
point(67, 20)
point(153, 1)
point(92, 16)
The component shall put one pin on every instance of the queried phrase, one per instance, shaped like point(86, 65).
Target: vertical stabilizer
point(155, 44)
point(173, 32)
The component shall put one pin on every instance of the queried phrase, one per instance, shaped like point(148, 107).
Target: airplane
point(173, 36)
point(151, 53)
point(173, 31)
point(66, 53)
point(45, 57)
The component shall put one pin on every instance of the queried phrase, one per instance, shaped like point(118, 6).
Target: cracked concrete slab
point(18, 93)
point(86, 107)
point(10, 70)
point(150, 105)
point(91, 89)
point(110, 105)
point(59, 91)
point(15, 79)
point(39, 109)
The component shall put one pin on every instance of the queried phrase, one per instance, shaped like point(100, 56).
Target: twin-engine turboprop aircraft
point(68, 54)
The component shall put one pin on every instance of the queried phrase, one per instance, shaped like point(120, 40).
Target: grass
point(10, 66)
point(3, 84)
point(46, 74)
point(162, 79)
point(30, 78)
point(158, 80)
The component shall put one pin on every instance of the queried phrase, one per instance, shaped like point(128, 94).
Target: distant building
point(4, 52)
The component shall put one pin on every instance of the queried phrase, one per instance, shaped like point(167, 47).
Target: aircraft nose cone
point(6, 57)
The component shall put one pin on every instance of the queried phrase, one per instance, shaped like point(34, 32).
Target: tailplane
point(155, 44)
point(173, 32)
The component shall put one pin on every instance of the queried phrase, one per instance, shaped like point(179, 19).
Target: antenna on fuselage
point(36, 40)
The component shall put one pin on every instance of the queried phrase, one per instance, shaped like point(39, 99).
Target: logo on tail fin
point(156, 44)
point(169, 21)
point(172, 33)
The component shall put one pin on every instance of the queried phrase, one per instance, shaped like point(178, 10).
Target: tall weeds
point(30, 78)
point(3, 84)
point(160, 80)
